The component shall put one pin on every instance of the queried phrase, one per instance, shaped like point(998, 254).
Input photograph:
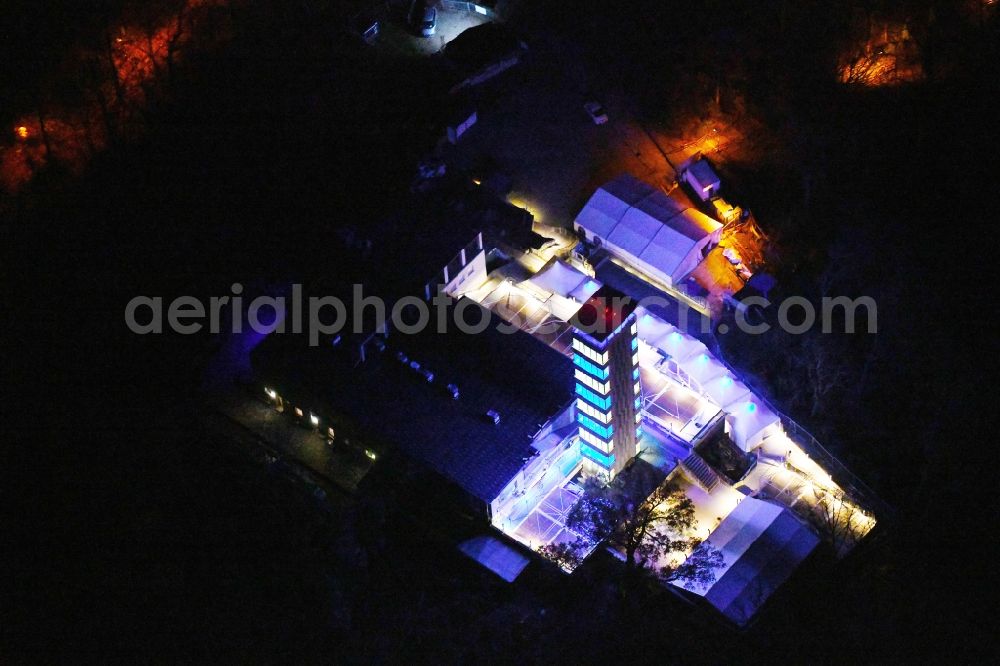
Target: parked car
point(424, 19)
point(596, 112)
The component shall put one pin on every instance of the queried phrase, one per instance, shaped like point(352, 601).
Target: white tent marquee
point(702, 368)
point(724, 390)
point(680, 346)
point(646, 228)
point(761, 545)
point(652, 328)
point(561, 287)
point(748, 420)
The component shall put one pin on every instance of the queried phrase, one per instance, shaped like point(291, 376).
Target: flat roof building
point(467, 405)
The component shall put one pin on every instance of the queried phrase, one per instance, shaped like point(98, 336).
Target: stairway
point(699, 472)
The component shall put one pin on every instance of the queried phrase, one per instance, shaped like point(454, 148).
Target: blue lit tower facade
point(606, 360)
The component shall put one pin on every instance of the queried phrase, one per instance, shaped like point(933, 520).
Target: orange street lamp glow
point(22, 132)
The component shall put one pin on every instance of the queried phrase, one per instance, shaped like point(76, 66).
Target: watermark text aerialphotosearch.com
point(320, 316)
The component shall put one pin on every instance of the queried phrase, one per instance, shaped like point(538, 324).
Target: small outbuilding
point(701, 177)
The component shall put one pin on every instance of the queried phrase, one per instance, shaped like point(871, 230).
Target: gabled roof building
point(761, 544)
point(647, 229)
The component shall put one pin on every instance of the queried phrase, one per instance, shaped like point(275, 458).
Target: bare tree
point(163, 24)
point(109, 55)
point(697, 569)
point(837, 520)
point(648, 527)
point(826, 371)
point(95, 83)
point(567, 555)
point(42, 127)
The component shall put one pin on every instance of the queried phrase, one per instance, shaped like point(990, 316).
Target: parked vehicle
point(423, 18)
point(429, 24)
point(596, 112)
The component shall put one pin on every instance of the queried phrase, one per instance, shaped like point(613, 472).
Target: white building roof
point(561, 288)
point(496, 556)
point(701, 171)
point(634, 231)
point(682, 347)
point(660, 207)
point(761, 545)
point(652, 328)
point(748, 417)
point(603, 212)
point(559, 278)
point(725, 390)
point(645, 226)
point(747, 420)
point(702, 368)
